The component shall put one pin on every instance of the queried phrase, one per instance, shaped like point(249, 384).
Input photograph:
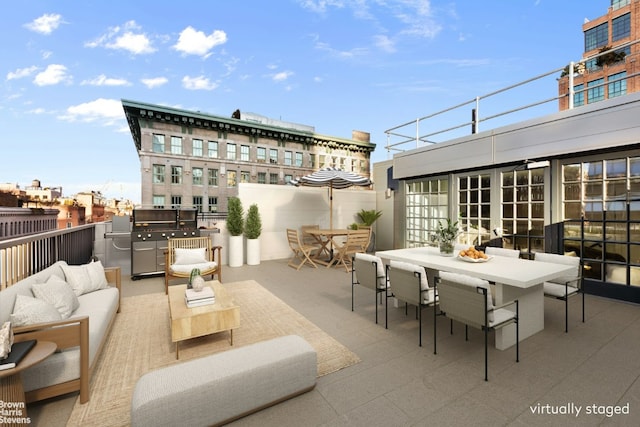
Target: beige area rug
point(140, 341)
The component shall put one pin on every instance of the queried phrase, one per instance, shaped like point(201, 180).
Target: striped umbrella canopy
point(333, 178)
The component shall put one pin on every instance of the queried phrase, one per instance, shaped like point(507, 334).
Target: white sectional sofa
point(79, 332)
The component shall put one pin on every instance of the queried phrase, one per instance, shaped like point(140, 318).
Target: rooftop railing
point(24, 256)
point(467, 117)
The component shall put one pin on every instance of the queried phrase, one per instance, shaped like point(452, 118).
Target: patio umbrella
point(333, 178)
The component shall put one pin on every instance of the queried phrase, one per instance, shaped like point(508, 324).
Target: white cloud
point(198, 83)
point(282, 76)
point(384, 43)
point(45, 24)
point(128, 37)
point(54, 74)
point(320, 6)
point(103, 80)
point(154, 82)
point(193, 42)
point(109, 111)
point(21, 73)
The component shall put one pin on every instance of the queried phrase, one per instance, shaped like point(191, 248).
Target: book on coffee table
point(200, 302)
point(18, 351)
point(193, 295)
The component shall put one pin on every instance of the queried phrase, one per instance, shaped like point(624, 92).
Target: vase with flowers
point(446, 235)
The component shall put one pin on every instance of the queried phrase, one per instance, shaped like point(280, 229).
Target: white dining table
point(514, 279)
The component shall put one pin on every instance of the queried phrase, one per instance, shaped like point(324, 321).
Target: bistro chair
point(368, 271)
point(408, 283)
point(309, 239)
point(357, 241)
point(495, 251)
point(466, 299)
point(183, 254)
point(301, 252)
point(564, 287)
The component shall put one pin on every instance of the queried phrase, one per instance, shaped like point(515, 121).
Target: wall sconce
point(540, 164)
point(388, 193)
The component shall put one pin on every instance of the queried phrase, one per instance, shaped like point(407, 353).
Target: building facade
point(567, 182)
point(189, 159)
point(610, 64)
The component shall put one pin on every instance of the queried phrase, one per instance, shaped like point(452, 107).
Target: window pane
point(571, 172)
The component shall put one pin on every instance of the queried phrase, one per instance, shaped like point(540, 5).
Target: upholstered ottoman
point(217, 389)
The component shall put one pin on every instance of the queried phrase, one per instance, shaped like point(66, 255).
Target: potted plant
point(252, 230)
point(235, 227)
point(446, 236)
point(367, 218)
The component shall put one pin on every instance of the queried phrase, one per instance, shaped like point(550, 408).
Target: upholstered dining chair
point(564, 287)
point(301, 252)
point(466, 299)
point(368, 271)
point(494, 251)
point(408, 283)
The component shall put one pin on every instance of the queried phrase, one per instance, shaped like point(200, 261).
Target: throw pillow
point(29, 310)
point(85, 278)
point(190, 256)
point(96, 274)
point(58, 293)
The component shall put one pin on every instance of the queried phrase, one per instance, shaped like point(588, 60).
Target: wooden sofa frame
point(191, 243)
point(65, 334)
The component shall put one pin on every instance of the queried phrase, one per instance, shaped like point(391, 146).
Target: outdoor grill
point(149, 234)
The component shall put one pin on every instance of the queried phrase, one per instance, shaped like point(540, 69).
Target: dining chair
point(368, 271)
point(356, 242)
point(408, 282)
point(495, 251)
point(466, 299)
point(300, 251)
point(311, 240)
point(564, 287)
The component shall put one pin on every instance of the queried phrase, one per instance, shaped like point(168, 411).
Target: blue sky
point(337, 65)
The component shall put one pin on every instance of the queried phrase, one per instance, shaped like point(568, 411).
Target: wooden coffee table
point(11, 390)
point(187, 323)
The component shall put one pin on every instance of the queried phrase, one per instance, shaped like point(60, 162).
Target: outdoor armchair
point(183, 254)
point(494, 251)
point(408, 282)
point(564, 287)
point(467, 300)
point(368, 271)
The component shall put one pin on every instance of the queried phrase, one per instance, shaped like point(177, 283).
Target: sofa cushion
point(23, 287)
point(186, 268)
point(100, 306)
point(85, 278)
point(58, 293)
point(30, 310)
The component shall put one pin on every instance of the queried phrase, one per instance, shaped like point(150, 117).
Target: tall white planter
point(236, 251)
point(253, 251)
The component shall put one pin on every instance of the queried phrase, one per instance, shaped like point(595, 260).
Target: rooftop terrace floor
point(398, 383)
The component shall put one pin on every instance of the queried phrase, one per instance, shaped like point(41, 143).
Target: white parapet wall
point(284, 206)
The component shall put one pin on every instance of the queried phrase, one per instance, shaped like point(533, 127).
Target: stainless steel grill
point(149, 233)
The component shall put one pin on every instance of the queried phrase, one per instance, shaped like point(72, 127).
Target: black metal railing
point(24, 256)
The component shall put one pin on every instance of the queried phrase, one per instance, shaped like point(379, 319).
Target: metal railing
point(21, 257)
point(452, 121)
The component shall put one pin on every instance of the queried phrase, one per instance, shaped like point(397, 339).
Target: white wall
point(285, 206)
